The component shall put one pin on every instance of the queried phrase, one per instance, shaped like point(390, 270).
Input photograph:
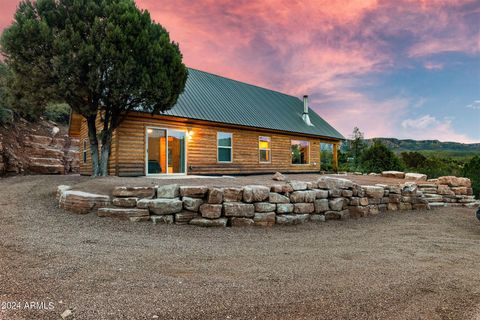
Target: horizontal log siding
point(202, 147)
point(86, 168)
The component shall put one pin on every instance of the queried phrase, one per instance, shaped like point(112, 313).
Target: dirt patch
point(402, 265)
point(105, 185)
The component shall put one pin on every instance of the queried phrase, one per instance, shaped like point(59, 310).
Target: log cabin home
point(217, 126)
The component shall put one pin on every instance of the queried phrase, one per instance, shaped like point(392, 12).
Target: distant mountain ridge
point(399, 145)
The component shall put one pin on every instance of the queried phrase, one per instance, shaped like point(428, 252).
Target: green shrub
point(471, 170)
point(6, 116)
point(58, 112)
point(378, 158)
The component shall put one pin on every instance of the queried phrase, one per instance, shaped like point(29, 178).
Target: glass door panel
point(156, 151)
point(176, 151)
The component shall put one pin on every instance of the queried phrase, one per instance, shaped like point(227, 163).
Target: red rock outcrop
point(37, 148)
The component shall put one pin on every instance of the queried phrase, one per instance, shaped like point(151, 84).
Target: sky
point(401, 68)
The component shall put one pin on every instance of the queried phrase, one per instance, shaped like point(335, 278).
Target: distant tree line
point(357, 155)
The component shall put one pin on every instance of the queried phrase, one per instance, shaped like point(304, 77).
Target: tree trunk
point(92, 135)
point(105, 152)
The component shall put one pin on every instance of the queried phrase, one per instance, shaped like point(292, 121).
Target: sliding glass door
point(166, 151)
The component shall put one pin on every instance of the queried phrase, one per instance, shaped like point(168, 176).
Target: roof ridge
point(246, 83)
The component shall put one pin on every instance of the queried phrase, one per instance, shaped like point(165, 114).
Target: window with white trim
point(264, 149)
point(84, 151)
point(224, 147)
point(300, 152)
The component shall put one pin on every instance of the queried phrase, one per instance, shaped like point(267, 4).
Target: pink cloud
point(328, 49)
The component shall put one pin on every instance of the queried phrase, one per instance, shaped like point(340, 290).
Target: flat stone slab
point(415, 176)
point(161, 206)
point(290, 219)
point(138, 192)
point(239, 209)
point(125, 202)
point(122, 213)
point(169, 191)
point(374, 191)
point(82, 202)
point(393, 174)
point(193, 191)
point(203, 222)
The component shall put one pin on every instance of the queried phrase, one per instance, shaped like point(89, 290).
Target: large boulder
point(305, 208)
point(393, 174)
point(373, 191)
point(82, 202)
point(337, 215)
point(122, 213)
point(192, 204)
point(184, 217)
point(455, 181)
point(278, 198)
point(241, 222)
point(137, 192)
point(232, 194)
point(168, 191)
point(264, 218)
point(284, 208)
point(125, 202)
point(166, 219)
point(278, 177)
point(336, 204)
point(161, 206)
point(265, 207)
point(415, 176)
point(290, 219)
point(334, 183)
point(298, 185)
point(215, 195)
point(211, 211)
point(303, 196)
point(239, 209)
point(255, 193)
point(321, 205)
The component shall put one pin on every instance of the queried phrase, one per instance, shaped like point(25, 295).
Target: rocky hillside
point(37, 148)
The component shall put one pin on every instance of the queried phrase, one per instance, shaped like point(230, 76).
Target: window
point(84, 151)
point(300, 152)
point(224, 147)
point(264, 149)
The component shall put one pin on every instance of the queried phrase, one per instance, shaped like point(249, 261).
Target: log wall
point(129, 147)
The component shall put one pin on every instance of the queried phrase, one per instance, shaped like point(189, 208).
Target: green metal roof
point(214, 98)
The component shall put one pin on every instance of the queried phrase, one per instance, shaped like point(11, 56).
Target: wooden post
point(335, 157)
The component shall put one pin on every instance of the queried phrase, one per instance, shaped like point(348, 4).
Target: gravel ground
point(105, 185)
point(409, 265)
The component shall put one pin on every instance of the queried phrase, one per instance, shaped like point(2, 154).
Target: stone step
point(45, 161)
point(46, 168)
point(122, 213)
point(40, 139)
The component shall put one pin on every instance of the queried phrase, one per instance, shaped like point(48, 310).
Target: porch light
point(149, 130)
point(189, 134)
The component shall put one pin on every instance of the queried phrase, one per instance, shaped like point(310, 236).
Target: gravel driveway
point(408, 265)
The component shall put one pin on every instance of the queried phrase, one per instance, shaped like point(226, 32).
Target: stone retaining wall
point(291, 203)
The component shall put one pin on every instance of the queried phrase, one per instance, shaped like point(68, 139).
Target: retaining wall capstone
point(292, 203)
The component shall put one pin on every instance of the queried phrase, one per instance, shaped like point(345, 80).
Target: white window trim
point(269, 149)
point(84, 152)
point(309, 153)
point(224, 147)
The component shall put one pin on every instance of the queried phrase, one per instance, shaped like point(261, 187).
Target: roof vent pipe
point(305, 116)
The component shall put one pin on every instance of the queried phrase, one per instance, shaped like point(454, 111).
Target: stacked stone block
point(291, 203)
